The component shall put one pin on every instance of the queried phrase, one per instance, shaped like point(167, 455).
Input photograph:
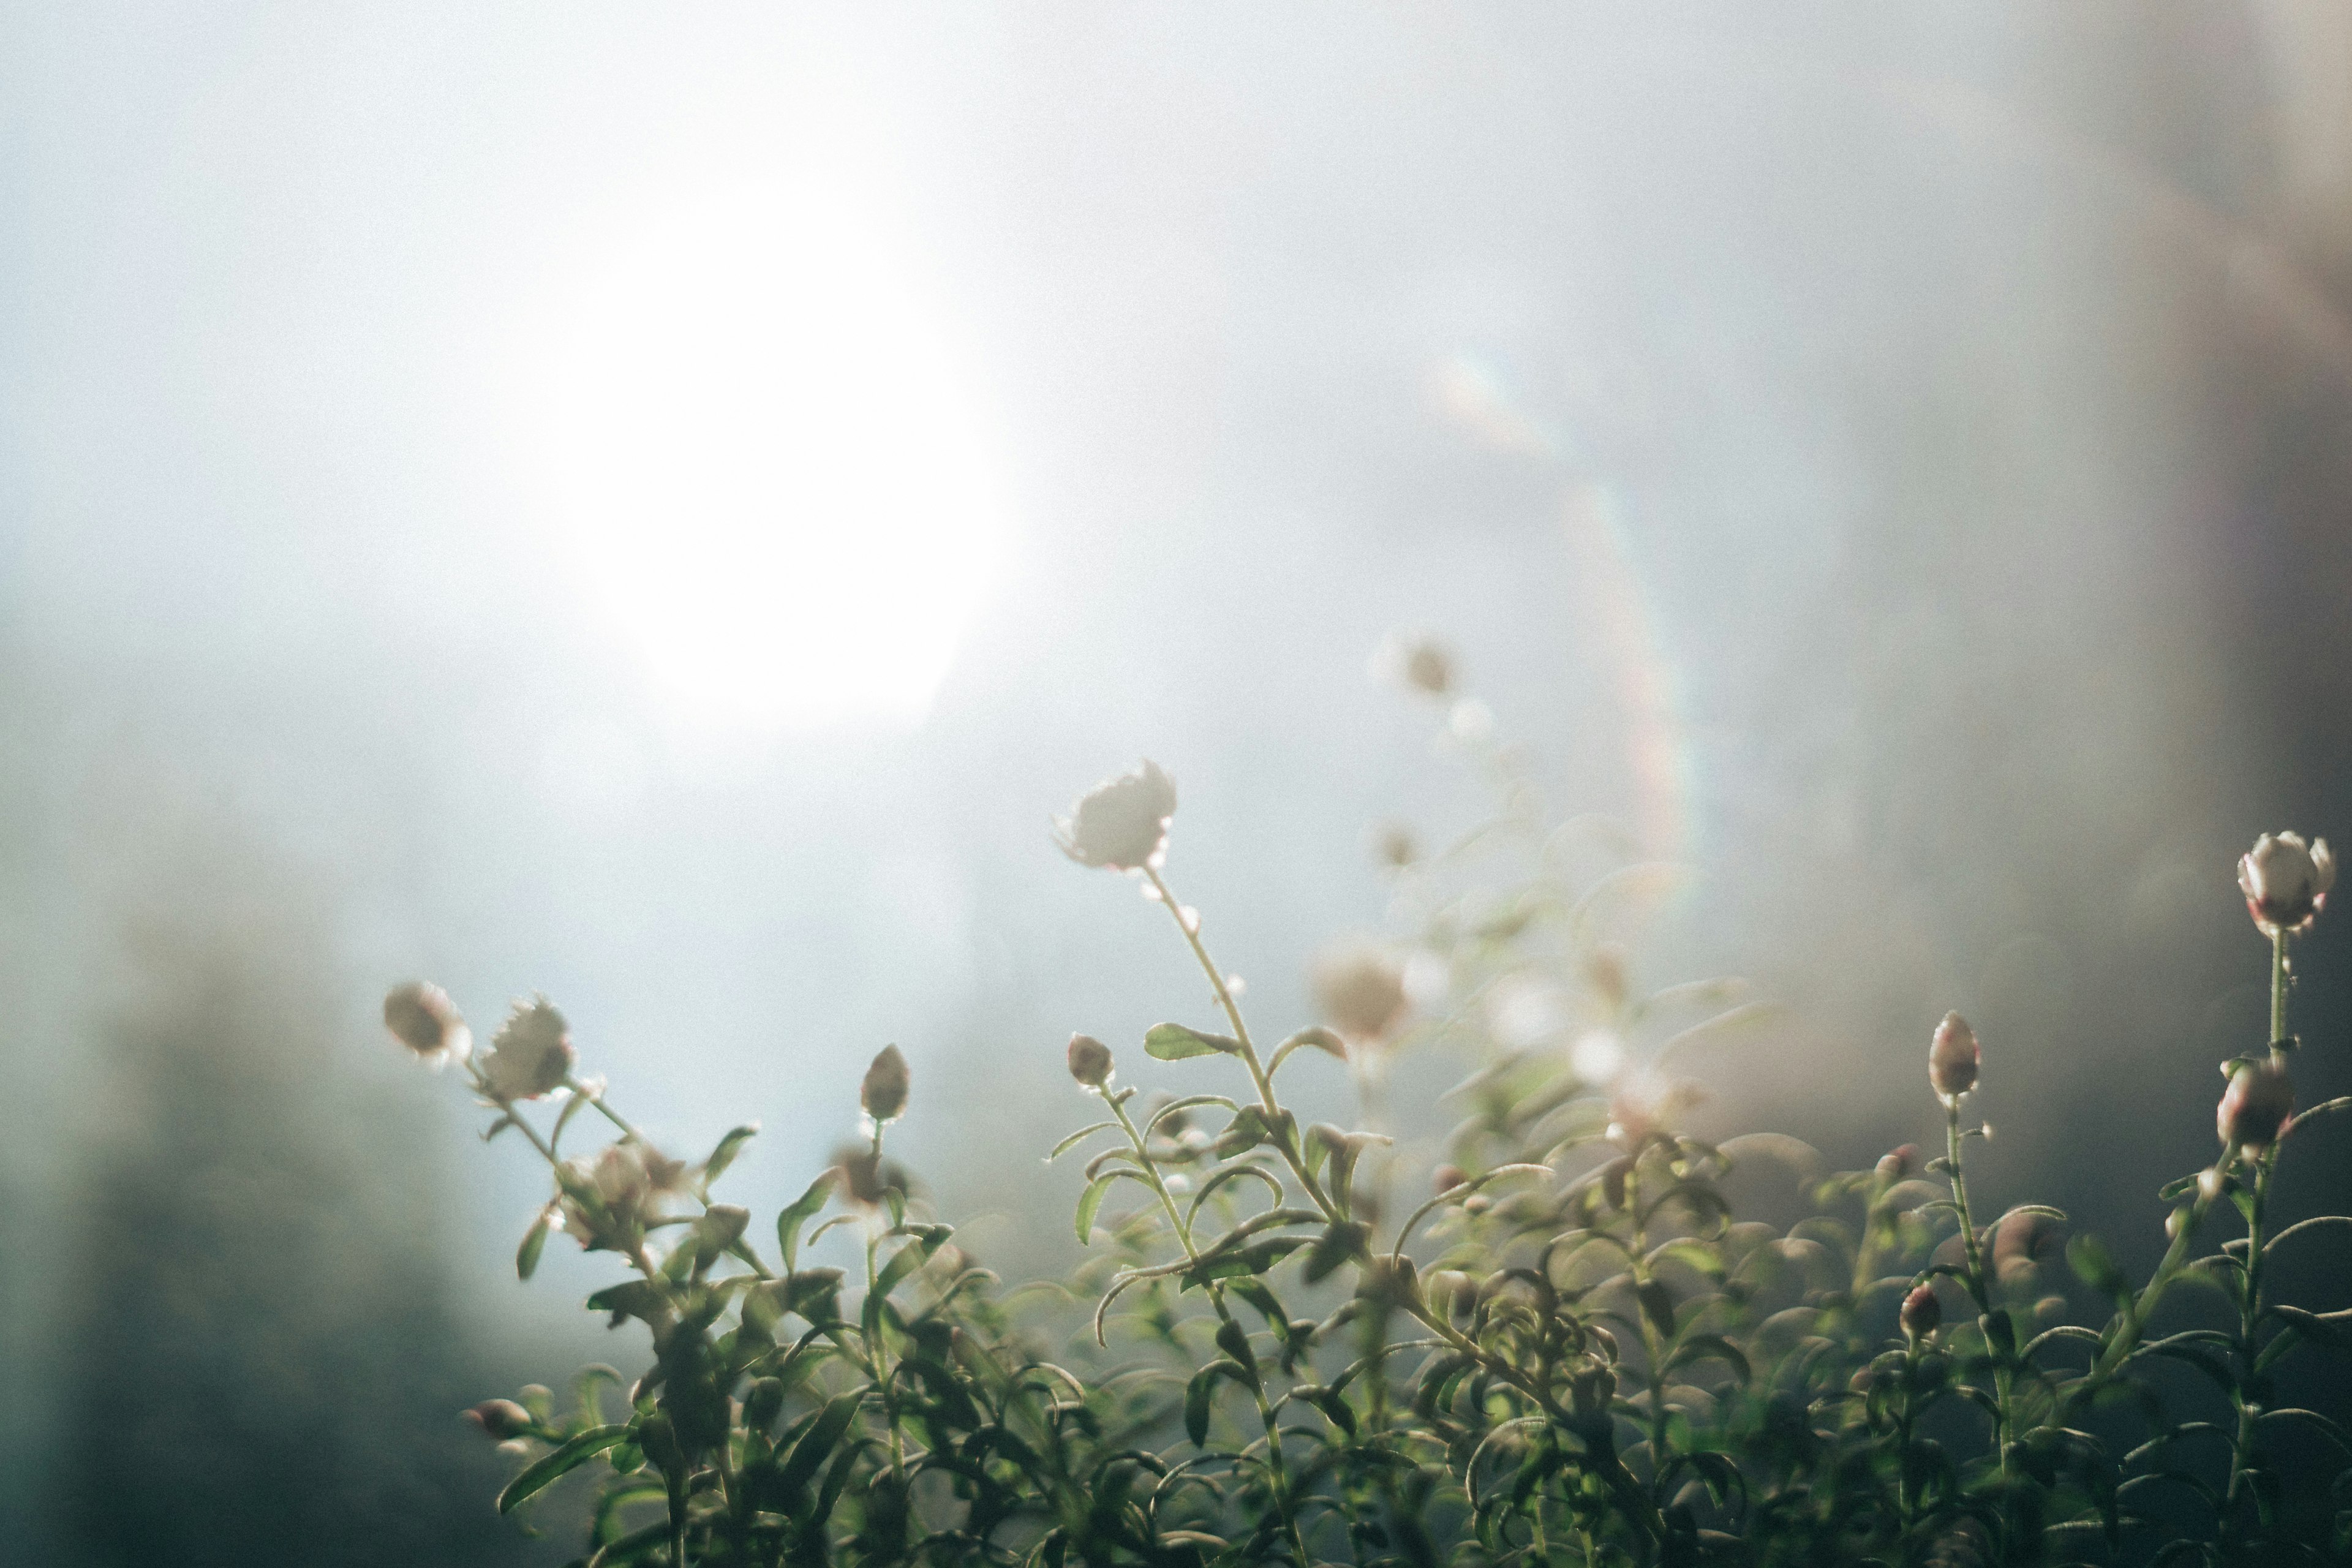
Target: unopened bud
point(1446, 1178)
point(884, 1093)
point(1952, 1058)
point(1897, 1163)
point(2256, 1106)
point(1090, 1061)
point(2286, 881)
point(501, 1418)
point(1922, 1313)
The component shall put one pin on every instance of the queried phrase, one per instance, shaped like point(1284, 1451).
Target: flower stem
point(2279, 976)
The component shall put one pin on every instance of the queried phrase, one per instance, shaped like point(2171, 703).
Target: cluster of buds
point(2285, 882)
point(609, 1199)
point(1121, 823)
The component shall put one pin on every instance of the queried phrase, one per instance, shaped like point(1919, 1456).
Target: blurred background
point(659, 507)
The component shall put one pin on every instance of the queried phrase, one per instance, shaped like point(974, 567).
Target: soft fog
point(661, 506)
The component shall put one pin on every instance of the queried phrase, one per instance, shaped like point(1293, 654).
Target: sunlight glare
point(765, 468)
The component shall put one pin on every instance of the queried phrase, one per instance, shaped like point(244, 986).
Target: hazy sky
point(659, 506)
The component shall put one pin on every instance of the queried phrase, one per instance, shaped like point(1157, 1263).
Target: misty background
point(1896, 464)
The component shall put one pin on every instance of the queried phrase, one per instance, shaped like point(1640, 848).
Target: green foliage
point(1574, 1351)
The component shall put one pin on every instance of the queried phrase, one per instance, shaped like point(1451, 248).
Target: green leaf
point(817, 1443)
point(534, 1242)
point(565, 1458)
point(1090, 1204)
point(1075, 1139)
point(1709, 1347)
point(1198, 1393)
point(1174, 1043)
point(908, 1259)
point(802, 1210)
point(724, 1155)
point(1338, 1244)
point(1315, 1035)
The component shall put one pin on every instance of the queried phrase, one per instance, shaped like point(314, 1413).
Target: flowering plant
point(1572, 1350)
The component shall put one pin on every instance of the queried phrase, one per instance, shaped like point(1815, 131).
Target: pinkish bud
point(1922, 1313)
point(501, 1418)
point(2286, 881)
point(2256, 1106)
point(1121, 823)
point(1952, 1058)
point(1446, 1178)
point(421, 1017)
point(883, 1095)
point(1090, 1061)
point(1897, 1163)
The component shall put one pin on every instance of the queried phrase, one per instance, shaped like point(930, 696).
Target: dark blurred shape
point(260, 1363)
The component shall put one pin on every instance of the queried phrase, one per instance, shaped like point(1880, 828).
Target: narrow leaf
point(800, 1212)
point(561, 1460)
point(724, 1155)
point(534, 1242)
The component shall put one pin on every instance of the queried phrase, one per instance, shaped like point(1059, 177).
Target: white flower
point(530, 1055)
point(1121, 823)
point(421, 1017)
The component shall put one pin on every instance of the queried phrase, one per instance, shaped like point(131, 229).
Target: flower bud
point(421, 1017)
point(1121, 823)
point(1444, 1179)
point(884, 1093)
point(1922, 1313)
point(1360, 991)
point(1416, 660)
point(2286, 881)
point(1394, 846)
point(531, 1052)
point(501, 1418)
point(2256, 1106)
point(1897, 1163)
point(1952, 1057)
point(1090, 1061)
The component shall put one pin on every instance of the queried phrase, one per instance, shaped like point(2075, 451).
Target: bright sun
point(765, 468)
